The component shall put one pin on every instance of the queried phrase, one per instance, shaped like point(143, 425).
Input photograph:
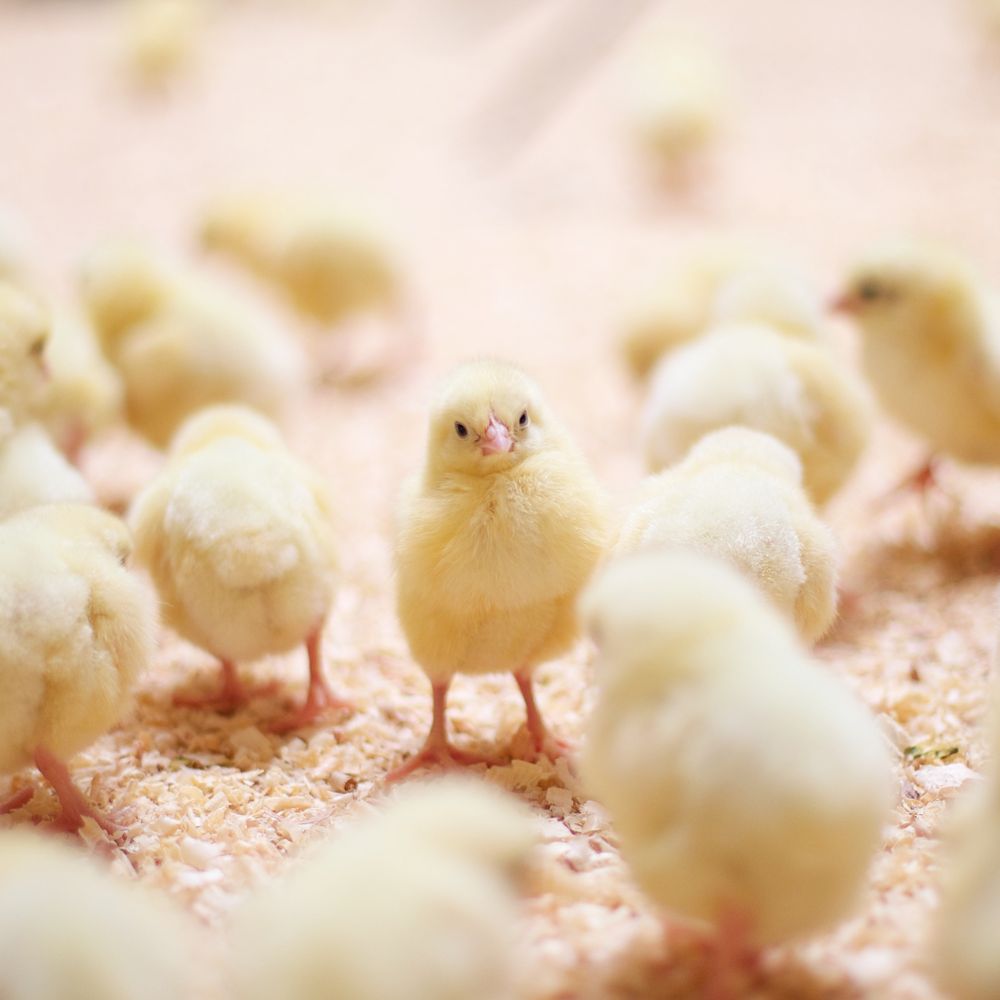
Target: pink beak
point(845, 303)
point(496, 438)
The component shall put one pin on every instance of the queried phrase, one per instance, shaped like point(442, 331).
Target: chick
point(160, 38)
point(738, 494)
point(930, 347)
point(33, 471)
point(237, 536)
point(495, 538)
point(14, 247)
point(329, 262)
point(70, 930)
point(77, 630)
point(747, 786)
point(722, 280)
point(967, 924)
point(180, 344)
point(414, 903)
point(24, 327)
point(749, 375)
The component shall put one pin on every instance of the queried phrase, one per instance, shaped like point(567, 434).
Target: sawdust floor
point(853, 119)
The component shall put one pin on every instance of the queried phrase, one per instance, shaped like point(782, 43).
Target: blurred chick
point(329, 262)
point(238, 538)
point(749, 375)
point(416, 902)
point(967, 924)
point(160, 38)
point(14, 247)
point(738, 494)
point(495, 538)
point(180, 344)
point(33, 472)
point(70, 930)
point(721, 280)
point(930, 347)
point(24, 327)
point(77, 630)
point(747, 785)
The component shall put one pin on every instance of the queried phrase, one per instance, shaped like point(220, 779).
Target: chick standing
point(73, 931)
point(750, 375)
point(496, 536)
point(415, 903)
point(77, 630)
point(931, 348)
point(238, 537)
point(748, 787)
point(738, 494)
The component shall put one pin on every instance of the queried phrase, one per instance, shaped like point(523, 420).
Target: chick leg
point(733, 961)
point(319, 699)
point(18, 799)
point(545, 742)
point(75, 808)
point(436, 748)
point(232, 694)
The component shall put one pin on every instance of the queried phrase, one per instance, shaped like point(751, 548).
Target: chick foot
point(320, 698)
point(734, 963)
point(544, 742)
point(74, 807)
point(232, 695)
point(18, 799)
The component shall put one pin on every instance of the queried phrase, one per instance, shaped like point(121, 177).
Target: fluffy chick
point(180, 344)
point(751, 376)
point(930, 346)
point(417, 902)
point(738, 494)
point(24, 327)
point(33, 471)
point(967, 924)
point(77, 630)
point(238, 537)
point(721, 280)
point(747, 785)
point(73, 931)
point(495, 538)
point(330, 263)
point(159, 39)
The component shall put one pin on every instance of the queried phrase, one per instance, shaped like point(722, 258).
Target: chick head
point(225, 420)
point(83, 524)
point(24, 330)
point(488, 417)
point(897, 287)
point(747, 447)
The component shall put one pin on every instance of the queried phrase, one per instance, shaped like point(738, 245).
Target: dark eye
point(869, 291)
point(461, 430)
point(36, 348)
point(523, 421)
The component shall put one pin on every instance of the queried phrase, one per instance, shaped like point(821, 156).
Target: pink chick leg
point(18, 799)
point(319, 699)
point(232, 694)
point(545, 742)
point(734, 960)
point(436, 749)
point(75, 808)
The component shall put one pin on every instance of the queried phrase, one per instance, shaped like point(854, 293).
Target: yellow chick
point(329, 262)
point(160, 38)
point(180, 344)
point(738, 494)
point(496, 536)
point(237, 535)
point(749, 375)
point(24, 327)
point(930, 347)
point(14, 244)
point(33, 471)
point(77, 630)
point(967, 924)
point(416, 902)
point(721, 280)
point(747, 785)
point(70, 930)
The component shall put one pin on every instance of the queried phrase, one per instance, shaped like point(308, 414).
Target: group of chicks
point(747, 785)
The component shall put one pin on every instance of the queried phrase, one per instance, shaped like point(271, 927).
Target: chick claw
point(441, 754)
point(232, 695)
point(18, 799)
point(74, 807)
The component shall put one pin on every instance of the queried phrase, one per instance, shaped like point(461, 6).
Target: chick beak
point(496, 438)
point(846, 303)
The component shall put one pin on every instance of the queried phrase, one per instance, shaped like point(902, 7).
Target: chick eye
point(869, 290)
point(35, 351)
point(523, 421)
point(461, 430)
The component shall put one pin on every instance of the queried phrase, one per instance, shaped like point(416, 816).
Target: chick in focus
point(77, 631)
point(159, 39)
point(495, 538)
point(237, 535)
point(749, 375)
point(179, 343)
point(930, 338)
point(738, 494)
point(747, 785)
point(967, 925)
point(70, 930)
point(417, 902)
